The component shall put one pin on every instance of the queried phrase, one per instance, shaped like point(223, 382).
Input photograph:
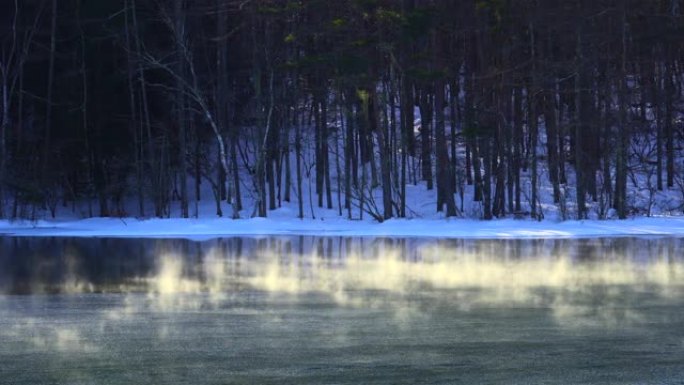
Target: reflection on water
point(327, 264)
point(239, 300)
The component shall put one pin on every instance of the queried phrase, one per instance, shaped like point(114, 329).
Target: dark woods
point(146, 101)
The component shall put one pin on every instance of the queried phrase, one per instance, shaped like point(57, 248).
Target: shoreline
point(435, 228)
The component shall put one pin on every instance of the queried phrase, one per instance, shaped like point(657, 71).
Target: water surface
point(318, 310)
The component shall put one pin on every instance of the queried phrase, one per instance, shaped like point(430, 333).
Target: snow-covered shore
point(453, 228)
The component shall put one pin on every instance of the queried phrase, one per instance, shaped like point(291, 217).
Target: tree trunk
point(485, 181)
point(551, 125)
point(298, 164)
point(385, 156)
point(510, 146)
point(425, 106)
point(534, 139)
point(325, 151)
point(658, 111)
point(47, 142)
point(532, 120)
point(445, 191)
point(499, 207)
point(517, 145)
point(318, 142)
point(669, 130)
point(348, 151)
point(179, 19)
point(408, 146)
point(579, 130)
point(151, 161)
point(623, 130)
point(136, 133)
point(4, 124)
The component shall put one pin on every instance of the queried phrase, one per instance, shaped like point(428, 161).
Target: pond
point(322, 310)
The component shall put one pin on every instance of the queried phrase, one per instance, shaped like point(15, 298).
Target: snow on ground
point(458, 228)
point(424, 221)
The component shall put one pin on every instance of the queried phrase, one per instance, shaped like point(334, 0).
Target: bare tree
point(190, 86)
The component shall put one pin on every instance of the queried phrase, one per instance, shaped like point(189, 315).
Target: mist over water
point(294, 309)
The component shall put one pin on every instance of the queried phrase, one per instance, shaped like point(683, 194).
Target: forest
point(146, 107)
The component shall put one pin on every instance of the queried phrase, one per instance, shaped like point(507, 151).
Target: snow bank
point(453, 228)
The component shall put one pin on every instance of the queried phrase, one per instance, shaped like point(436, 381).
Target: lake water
point(330, 310)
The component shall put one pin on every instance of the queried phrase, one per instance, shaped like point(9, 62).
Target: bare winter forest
point(146, 107)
